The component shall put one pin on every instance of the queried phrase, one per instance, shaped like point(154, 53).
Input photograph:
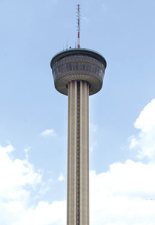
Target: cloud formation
point(48, 133)
point(61, 178)
point(15, 176)
point(144, 142)
point(124, 195)
point(20, 183)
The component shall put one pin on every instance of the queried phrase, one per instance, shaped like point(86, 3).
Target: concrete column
point(84, 153)
point(78, 153)
point(72, 145)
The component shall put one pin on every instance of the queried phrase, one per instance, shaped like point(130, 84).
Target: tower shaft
point(78, 153)
point(78, 73)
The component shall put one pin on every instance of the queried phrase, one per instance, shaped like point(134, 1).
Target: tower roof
point(78, 51)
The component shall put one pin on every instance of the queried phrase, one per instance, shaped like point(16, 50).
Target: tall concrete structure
point(78, 73)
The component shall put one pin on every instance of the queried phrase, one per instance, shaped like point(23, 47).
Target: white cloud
point(144, 142)
point(122, 195)
point(146, 120)
point(15, 174)
point(44, 214)
point(61, 177)
point(18, 187)
point(48, 133)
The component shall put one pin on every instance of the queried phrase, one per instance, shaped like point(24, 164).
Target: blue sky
point(33, 116)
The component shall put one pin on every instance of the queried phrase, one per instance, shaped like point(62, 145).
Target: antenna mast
point(78, 25)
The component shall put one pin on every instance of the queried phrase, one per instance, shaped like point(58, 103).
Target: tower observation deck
point(78, 73)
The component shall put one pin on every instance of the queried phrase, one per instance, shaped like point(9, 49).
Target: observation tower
point(78, 73)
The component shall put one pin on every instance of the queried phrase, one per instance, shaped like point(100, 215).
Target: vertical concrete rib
point(78, 153)
point(84, 153)
point(72, 145)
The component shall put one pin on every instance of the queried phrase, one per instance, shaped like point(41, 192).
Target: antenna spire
point(78, 25)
